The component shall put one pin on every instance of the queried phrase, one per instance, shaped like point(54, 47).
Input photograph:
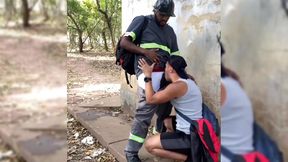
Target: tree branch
point(99, 7)
point(89, 32)
point(69, 26)
point(74, 21)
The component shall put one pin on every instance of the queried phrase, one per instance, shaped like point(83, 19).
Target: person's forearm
point(149, 92)
point(131, 47)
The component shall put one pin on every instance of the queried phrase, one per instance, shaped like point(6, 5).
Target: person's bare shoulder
point(179, 88)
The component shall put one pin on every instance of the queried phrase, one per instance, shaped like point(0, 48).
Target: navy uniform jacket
point(153, 37)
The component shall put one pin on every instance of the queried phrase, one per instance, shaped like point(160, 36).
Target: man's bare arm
point(127, 44)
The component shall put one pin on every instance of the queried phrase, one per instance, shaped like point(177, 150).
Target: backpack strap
point(193, 136)
point(144, 25)
point(200, 134)
point(193, 122)
point(184, 116)
point(127, 80)
point(227, 153)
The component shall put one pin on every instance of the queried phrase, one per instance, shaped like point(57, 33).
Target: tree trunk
point(56, 8)
point(25, 13)
point(108, 21)
point(91, 42)
point(79, 31)
point(111, 31)
point(105, 41)
point(44, 7)
point(80, 41)
point(72, 42)
point(9, 10)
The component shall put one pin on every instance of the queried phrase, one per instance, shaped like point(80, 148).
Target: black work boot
point(131, 157)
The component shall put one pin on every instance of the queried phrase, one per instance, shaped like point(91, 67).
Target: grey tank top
point(189, 104)
point(236, 119)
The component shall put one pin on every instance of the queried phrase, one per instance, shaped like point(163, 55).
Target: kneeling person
point(185, 96)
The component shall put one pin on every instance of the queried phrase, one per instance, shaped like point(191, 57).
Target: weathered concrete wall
point(130, 9)
point(196, 24)
point(255, 35)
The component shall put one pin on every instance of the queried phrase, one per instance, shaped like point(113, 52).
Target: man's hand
point(152, 55)
point(147, 69)
point(127, 44)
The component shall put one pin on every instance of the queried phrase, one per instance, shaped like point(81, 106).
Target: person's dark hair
point(179, 64)
point(285, 6)
point(225, 72)
point(221, 45)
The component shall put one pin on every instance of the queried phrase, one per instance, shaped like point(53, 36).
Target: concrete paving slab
point(108, 102)
point(103, 126)
point(112, 132)
point(112, 129)
point(56, 123)
point(91, 114)
point(117, 149)
point(43, 144)
point(10, 132)
point(35, 146)
point(44, 148)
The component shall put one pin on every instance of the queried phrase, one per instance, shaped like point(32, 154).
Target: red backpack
point(254, 156)
point(205, 144)
point(265, 149)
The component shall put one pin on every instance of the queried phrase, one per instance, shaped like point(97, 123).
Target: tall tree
point(9, 10)
point(108, 8)
point(44, 9)
point(26, 12)
point(88, 23)
point(81, 20)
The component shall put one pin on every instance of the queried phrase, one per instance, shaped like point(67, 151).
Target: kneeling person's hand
point(145, 67)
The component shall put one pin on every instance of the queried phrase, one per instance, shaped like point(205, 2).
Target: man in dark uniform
point(158, 41)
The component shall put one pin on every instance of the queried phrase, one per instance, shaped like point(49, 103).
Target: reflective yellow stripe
point(175, 53)
point(136, 138)
point(131, 34)
point(155, 45)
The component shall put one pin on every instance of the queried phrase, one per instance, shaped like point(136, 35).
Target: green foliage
point(96, 24)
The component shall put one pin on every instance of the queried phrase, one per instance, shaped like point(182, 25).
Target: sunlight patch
point(107, 87)
point(61, 38)
point(96, 58)
point(39, 94)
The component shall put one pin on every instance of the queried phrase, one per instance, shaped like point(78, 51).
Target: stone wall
point(255, 35)
point(196, 24)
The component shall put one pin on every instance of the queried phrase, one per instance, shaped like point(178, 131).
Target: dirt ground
point(33, 77)
point(78, 151)
point(34, 74)
point(90, 76)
